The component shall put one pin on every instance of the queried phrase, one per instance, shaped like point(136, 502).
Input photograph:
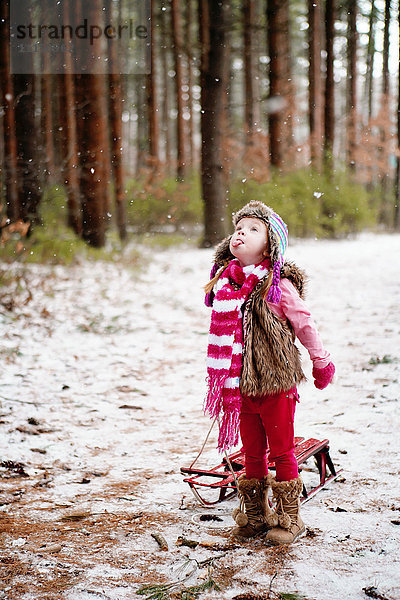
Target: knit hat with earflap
point(277, 233)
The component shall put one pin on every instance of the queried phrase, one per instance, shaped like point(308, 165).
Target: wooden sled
point(221, 480)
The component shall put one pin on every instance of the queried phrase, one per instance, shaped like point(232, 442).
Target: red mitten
point(323, 377)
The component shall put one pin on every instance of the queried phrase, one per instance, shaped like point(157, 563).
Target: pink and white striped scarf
point(225, 347)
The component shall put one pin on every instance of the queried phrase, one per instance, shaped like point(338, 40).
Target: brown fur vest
point(271, 361)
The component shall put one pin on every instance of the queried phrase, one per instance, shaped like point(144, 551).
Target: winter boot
point(254, 515)
point(287, 504)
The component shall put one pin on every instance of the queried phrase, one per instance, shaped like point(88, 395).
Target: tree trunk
point(352, 84)
point(27, 133)
point(68, 111)
point(329, 83)
point(226, 123)
point(92, 172)
point(177, 48)
point(115, 113)
point(142, 128)
point(115, 109)
point(212, 40)
point(70, 157)
point(152, 98)
point(47, 158)
point(279, 81)
point(385, 119)
point(397, 183)
point(92, 126)
point(27, 144)
point(369, 89)
point(190, 79)
point(8, 102)
point(166, 128)
point(370, 59)
point(315, 96)
point(69, 138)
point(47, 126)
point(385, 65)
point(248, 65)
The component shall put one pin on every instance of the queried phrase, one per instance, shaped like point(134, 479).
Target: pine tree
point(351, 100)
point(315, 98)
point(8, 104)
point(280, 88)
point(397, 182)
point(178, 63)
point(212, 39)
point(115, 119)
point(329, 117)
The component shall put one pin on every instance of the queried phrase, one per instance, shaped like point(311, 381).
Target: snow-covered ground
point(103, 377)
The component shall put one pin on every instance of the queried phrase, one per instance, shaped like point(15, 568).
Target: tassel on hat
point(274, 292)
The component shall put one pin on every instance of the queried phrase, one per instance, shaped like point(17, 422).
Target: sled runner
point(222, 478)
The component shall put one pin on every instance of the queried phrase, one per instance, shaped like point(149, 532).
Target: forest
point(293, 103)
point(130, 131)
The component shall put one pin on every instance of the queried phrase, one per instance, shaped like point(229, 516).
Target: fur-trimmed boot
point(287, 506)
point(254, 515)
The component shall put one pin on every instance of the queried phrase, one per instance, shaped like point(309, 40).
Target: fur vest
point(271, 361)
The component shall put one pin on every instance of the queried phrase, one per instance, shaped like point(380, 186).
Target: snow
point(107, 361)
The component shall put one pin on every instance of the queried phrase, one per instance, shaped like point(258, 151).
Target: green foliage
point(163, 204)
point(163, 212)
point(311, 203)
point(385, 360)
point(163, 591)
point(194, 591)
point(162, 241)
point(53, 242)
point(155, 592)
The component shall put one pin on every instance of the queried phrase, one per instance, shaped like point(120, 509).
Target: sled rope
point(230, 465)
point(231, 468)
point(203, 446)
point(225, 452)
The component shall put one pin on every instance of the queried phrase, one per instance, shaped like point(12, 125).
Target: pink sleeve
point(294, 309)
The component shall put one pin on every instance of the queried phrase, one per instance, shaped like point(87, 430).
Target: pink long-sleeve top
point(294, 309)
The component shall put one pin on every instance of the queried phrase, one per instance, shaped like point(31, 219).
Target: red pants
point(268, 423)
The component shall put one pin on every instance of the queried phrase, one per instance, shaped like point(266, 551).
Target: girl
point(254, 366)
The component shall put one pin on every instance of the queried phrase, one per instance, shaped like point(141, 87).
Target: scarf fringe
point(229, 430)
point(226, 322)
point(213, 400)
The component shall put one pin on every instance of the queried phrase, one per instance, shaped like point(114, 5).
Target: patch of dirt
point(49, 556)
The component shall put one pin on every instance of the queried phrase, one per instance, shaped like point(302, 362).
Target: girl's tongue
point(237, 243)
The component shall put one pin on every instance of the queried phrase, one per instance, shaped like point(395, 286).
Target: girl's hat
point(276, 229)
point(277, 233)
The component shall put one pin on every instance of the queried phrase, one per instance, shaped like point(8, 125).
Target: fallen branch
point(219, 547)
point(251, 596)
point(20, 401)
point(181, 541)
point(161, 541)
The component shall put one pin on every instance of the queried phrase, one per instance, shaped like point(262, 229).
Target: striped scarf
point(225, 347)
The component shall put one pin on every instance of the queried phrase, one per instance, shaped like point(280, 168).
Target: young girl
point(254, 367)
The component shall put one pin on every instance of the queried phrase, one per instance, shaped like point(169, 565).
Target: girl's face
point(249, 241)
